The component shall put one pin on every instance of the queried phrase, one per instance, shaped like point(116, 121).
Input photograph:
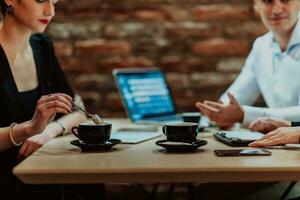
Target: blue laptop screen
point(145, 94)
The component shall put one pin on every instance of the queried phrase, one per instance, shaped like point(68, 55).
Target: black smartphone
point(242, 152)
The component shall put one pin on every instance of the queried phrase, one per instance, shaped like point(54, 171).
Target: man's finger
point(214, 104)
point(207, 107)
point(220, 101)
point(210, 112)
point(232, 99)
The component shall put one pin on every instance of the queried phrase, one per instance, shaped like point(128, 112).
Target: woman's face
point(278, 16)
point(34, 14)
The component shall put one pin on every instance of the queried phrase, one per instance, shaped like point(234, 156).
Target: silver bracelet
point(11, 135)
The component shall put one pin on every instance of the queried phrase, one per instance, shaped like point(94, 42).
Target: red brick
point(63, 48)
point(192, 29)
point(185, 64)
point(118, 62)
point(200, 44)
point(102, 47)
point(221, 12)
point(250, 29)
point(221, 47)
point(113, 102)
point(151, 15)
point(77, 65)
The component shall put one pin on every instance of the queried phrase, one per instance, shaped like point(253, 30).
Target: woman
point(33, 92)
point(277, 131)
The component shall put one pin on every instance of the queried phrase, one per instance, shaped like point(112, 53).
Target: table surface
point(60, 162)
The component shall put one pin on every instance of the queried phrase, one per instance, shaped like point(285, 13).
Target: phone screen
point(242, 152)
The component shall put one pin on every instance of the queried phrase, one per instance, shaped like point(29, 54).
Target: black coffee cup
point(191, 117)
point(92, 133)
point(181, 132)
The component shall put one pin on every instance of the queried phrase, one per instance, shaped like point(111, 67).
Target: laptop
point(145, 95)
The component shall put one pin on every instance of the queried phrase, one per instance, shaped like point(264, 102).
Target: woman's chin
point(39, 29)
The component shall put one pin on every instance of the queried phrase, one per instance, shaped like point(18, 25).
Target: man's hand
point(224, 115)
point(265, 125)
point(283, 135)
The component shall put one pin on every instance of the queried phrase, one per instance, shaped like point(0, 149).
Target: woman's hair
point(3, 7)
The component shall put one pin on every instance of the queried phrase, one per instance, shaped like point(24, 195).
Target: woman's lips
point(44, 21)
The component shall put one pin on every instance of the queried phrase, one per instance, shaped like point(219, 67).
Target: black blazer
point(51, 80)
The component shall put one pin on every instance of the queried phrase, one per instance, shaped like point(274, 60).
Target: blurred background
point(201, 45)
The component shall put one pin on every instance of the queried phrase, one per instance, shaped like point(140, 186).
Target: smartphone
point(242, 152)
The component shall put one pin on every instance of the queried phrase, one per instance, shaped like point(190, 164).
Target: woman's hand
point(47, 107)
point(283, 135)
point(35, 142)
point(32, 144)
point(266, 124)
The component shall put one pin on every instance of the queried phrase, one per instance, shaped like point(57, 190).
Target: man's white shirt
point(273, 74)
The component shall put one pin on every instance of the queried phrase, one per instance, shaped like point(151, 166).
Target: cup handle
point(74, 130)
point(164, 130)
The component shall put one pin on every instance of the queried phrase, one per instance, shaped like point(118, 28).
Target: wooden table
point(60, 162)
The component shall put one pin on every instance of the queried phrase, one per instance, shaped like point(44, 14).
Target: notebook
point(145, 95)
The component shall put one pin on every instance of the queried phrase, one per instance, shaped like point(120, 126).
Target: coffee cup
point(191, 117)
point(92, 133)
point(181, 132)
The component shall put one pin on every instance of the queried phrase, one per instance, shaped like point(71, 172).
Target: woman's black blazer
point(51, 80)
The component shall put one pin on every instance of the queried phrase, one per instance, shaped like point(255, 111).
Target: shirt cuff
point(251, 114)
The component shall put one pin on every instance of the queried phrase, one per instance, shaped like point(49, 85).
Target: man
point(272, 69)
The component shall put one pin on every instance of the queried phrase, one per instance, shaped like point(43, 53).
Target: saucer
point(181, 146)
point(95, 146)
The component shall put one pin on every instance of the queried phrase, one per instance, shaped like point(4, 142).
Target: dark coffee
point(93, 133)
point(181, 132)
point(191, 117)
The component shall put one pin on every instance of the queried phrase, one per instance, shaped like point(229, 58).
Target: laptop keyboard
point(166, 118)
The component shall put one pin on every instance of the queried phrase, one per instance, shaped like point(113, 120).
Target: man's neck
point(283, 38)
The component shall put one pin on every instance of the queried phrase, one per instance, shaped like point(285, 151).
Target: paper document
point(134, 137)
point(244, 135)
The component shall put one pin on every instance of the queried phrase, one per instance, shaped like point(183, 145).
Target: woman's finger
point(265, 143)
point(29, 150)
point(55, 103)
point(270, 134)
point(54, 98)
point(32, 148)
point(68, 97)
point(54, 110)
point(23, 149)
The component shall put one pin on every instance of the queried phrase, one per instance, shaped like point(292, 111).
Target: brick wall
point(200, 44)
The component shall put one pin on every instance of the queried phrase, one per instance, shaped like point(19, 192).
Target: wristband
point(295, 123)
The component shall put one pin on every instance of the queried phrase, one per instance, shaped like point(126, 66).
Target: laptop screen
point(145, 93)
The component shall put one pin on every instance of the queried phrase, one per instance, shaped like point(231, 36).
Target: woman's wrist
point(22, 131)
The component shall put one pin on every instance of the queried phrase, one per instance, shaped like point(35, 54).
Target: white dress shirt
point(273, 74)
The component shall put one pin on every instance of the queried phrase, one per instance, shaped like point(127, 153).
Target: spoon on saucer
point(96, 118)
